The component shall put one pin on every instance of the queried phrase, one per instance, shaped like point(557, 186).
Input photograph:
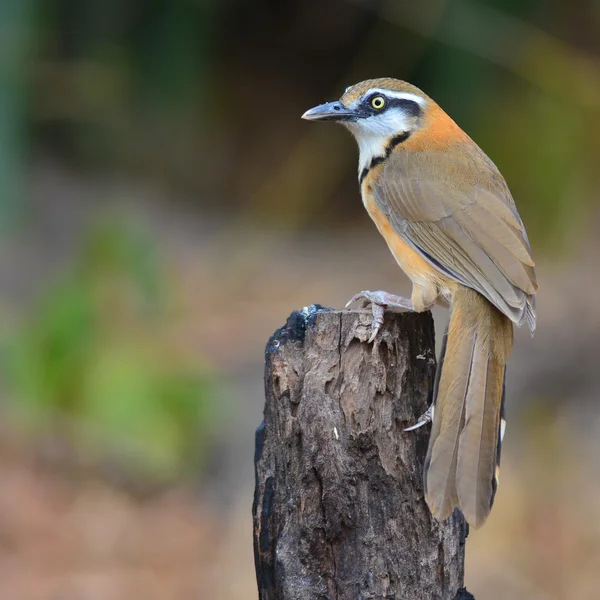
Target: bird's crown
point(395, 87)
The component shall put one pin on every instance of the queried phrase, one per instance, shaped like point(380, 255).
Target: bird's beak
point(330, 111)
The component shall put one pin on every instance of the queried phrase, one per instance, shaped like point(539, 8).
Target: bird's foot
point(425, 418)
point(379, 301)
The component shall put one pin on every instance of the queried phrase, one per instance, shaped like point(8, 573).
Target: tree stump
point(338, 509)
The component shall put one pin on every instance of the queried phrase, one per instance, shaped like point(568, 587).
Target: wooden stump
point(338, 509)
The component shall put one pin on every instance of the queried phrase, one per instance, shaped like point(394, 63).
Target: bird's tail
point(468, 421)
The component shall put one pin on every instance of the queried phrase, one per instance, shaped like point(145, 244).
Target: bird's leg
point(379, 301)
point(425, 418)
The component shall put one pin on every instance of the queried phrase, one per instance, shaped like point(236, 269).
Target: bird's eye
point(378, 102)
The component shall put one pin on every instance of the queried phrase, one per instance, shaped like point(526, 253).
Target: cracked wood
point(339, 510)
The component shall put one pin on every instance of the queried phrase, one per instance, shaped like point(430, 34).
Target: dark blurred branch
point(339, 509)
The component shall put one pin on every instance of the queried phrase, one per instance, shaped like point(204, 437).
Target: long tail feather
point(479, 439)
point(464, 447)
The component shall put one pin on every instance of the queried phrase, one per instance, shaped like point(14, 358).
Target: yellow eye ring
point(378, 102)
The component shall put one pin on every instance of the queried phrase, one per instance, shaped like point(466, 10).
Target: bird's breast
point(409, 260)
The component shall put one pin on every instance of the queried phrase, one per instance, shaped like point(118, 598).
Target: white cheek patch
point(389, 122)
point(374, 133)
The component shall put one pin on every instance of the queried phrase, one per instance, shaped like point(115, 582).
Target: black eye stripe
point(408, 106)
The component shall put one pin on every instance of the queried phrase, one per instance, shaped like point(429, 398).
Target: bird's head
point(379, 111)
point(375, 107)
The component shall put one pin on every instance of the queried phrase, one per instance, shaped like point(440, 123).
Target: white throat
point(374, 133)
point(370, 146)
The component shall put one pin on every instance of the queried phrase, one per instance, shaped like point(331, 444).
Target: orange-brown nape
point(450, 221)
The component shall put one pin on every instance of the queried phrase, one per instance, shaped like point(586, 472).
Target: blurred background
point(163, 209)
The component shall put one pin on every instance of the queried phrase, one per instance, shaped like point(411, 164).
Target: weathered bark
point(339, 510)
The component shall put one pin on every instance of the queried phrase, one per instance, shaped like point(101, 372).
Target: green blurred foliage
point(92, 359)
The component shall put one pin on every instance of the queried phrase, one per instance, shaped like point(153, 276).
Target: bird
point(451, 223)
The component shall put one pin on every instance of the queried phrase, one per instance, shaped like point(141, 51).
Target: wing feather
point(459, 215)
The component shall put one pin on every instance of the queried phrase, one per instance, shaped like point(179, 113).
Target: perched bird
point(451, 223)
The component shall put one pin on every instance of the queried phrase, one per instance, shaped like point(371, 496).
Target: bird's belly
point(410, 261)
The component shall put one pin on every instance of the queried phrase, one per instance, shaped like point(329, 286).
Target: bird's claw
point(379, 301)
point(378, 311)
point(425, 418)
point(360, 296)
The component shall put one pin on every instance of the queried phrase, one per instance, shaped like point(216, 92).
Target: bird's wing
point(459, 215)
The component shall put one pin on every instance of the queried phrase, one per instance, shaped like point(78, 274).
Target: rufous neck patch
point(439, 131)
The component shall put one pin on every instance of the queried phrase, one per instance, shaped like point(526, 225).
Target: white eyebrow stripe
point(400, 95)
